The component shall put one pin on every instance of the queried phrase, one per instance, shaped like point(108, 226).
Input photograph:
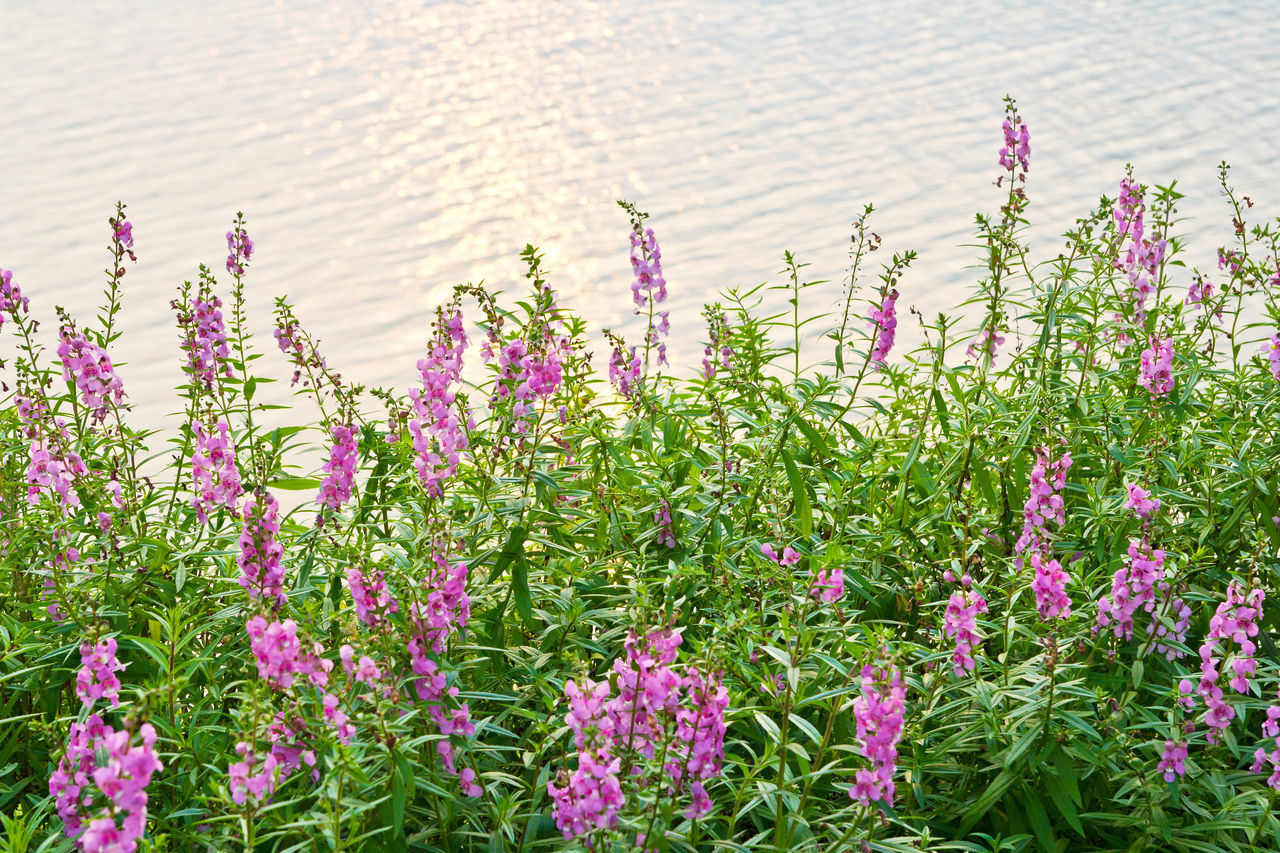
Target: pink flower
point(259, 559)
point(97, 677)
point(1157, 367)
point(1272, 350)
point(878, 716)
point(438, 434)
point(89, 366)
point(100, 785)
point(1173, 760)
point(11, 299)
point(1141, 502)
point(1017, 144)
point(960, 621)
point(215, 477)
point(884, 322)
point(339, 469)
point(239, 250)
point(1049, 587)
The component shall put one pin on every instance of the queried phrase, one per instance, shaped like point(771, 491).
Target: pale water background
point(384, 151)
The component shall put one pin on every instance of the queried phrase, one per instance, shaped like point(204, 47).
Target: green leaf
point(800, 496)
point(295, 484)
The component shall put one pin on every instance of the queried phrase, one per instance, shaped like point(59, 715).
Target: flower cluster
point(1261, 757)
point(1043, 504)
point(884, 323)
point(1272, 350)
point(657, 713)
point(1133, 587)
point(214, 475)
point(1173, 760)
point(960, 622)
point(339, 469)
point(280, 656)
point(1017, 144)
point(373, 600)
point(1157, 367)
point(988, 342)
point(208, 355)
point(11, 298)
point(1143, 257)
point(531, 373)
point(878, 714)
point(100, 785)
point(1140, 501)
point(438, 436)
point(52, 470)
point(1235, 622)
point(97, 677)
point(239, 250)
point(259, 559)
point(624, 370)
point(662, 518)
point(446, 607)
point(1049, 587)
point(89, 366)
point(649, 287)
point(717, 352)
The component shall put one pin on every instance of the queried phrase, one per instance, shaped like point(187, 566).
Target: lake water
point(383, 151)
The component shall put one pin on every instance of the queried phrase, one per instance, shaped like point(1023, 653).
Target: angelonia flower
point(1234, 622)
point(1230, 260)
point(878, 715)
point(1049, 587)
point(1173, 760)
point(530, 371)
point(100, 785)
point(438, 434)
point(280, 656)
point(986, 345)
point(1201, 293)
point(717, 353)
point(788, 557)
point(884, 322)
point(960, 622)
point(1157, 367)
point(1043, 504)
point(662, 518)
point(1140, 501)
point(445, 607)
point(1143, 257)
point(658, 712)
point(52, 471)
point(215, 477)
point(373, 600)
point(1272, 349)
point(1133, 588)
point(239, 250)
point(340, 468)
point(260, 552)
point(624, 371)
point(11, 298)
point(89, 366)
point(257, 776)
point(828, 585)
point(290, 343)
point(122, 232)
point(208, 355)
point(1261, 757)
point(97, 677)
point(1017, 144)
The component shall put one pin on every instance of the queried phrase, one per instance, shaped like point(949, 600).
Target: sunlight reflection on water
point(384, 151)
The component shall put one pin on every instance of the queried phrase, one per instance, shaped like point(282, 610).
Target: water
point(384, 151)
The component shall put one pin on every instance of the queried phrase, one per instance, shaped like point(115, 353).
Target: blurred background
point(384, 151)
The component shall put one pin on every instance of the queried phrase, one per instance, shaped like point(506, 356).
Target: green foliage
point(904, 479)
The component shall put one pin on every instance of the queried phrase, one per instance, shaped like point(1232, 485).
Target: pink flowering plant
point(824, 579)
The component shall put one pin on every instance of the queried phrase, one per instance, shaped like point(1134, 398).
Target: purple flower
point(89, 366)
point(215, 478)
point(884, 322)
point(97, 677)
point(438, 434)
point(259, 558)
point(878, 716)
point(1017, 144)
point(960, 621)
point(1157, 367)
point(11, 299)
point(239, 250)
point(100, 785)
point(339, 469)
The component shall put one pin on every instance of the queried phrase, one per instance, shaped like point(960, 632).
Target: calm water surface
point(384, 150)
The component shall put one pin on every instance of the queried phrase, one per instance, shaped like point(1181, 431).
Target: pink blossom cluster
point(122, 232)
point(1229, 259)
point(450, 716)
point(1043, 504)
point(1133, 588)
point(290, 343)
point(649, 287)
point(53, 470)
point(662, 518)
point(1261, 757)
point(239, 250)
point(100, 785)
point(1173, 760)
point(960, 622)
point(1272, 350)
point(988, 342)
point(1235, 622)
point(884, 323)
point(1157, 367)
point(589, 799)
point(97, 677)
point(1017, 144)
point(11, 298)
point(214, 475)
point(259, 559)
point(1050, 587)
point(717, 352)
point(878, 715)
point(206, 343)
point(530, 374)
point(438, 434)
point(657, 713)
point(339, 469)
point(258, 776)
point(1143, 257)
point(1201, 293)
point(89, 366)
point(788, 557)
point(624, 371)
point(373, 600)
point(1140, 501)
point(281, 657)
point(446, 607)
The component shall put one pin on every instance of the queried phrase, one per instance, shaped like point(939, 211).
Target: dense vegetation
point(1009, 591)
